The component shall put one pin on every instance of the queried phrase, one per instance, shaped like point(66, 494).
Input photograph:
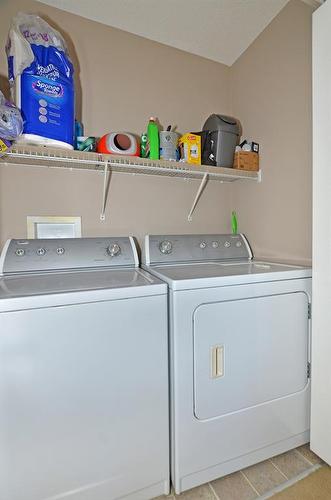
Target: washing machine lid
point(130, 282)
point(215, 274)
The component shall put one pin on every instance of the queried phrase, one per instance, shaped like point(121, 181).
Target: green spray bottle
point(153, 138)
point(234, 223)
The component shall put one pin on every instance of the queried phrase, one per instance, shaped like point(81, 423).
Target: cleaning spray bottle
point(154, 140)
point(144, 146)
point(234, 223)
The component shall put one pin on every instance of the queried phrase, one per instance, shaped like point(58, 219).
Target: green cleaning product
point(234, 222)
point(144, 146)
point(154, 140)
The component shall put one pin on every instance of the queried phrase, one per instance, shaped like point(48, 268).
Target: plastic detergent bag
point(11, 123)
point(41, 78)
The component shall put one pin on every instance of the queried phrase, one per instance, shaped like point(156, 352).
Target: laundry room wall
point(122, 79)
point(272, 97)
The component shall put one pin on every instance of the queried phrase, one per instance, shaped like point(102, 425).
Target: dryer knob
point(165, 247)
point(114, 250)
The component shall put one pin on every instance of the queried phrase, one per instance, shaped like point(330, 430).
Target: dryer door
point(249, 352)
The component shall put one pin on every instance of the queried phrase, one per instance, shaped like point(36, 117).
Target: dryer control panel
point(171, 249)
point(39, 255)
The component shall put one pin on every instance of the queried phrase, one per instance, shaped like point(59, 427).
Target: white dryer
point(239, 354)
point(83, 372)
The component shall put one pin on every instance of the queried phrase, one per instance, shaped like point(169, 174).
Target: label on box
point(4, 145)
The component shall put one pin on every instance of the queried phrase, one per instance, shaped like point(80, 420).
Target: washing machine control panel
point(25, 255)
point(195, 248)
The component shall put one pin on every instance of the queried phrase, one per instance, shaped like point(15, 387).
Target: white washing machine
point(239, 354)
point(83, 372)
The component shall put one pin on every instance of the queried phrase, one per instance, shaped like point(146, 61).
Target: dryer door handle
point(217, 361)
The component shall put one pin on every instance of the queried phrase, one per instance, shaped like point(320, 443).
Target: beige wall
point(272, 97)
point(125, 79)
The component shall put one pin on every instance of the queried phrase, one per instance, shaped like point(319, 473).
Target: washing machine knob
point(203, 244)
point(113, 250)
point(165, 247)
point(20, 252)
point(41, 252)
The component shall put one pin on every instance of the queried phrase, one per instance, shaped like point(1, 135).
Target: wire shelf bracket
point(106, 179)
point(201, 188)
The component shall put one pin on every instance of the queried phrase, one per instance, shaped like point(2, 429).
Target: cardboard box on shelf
point(246, 160)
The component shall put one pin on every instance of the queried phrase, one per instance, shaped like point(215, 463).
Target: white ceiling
point(220, 30)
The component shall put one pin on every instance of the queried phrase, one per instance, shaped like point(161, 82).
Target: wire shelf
point(39, 156)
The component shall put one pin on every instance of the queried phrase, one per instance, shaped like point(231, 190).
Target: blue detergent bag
point(41, 78)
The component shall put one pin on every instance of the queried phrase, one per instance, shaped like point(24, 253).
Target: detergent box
point(41, 78)
point(190, 148)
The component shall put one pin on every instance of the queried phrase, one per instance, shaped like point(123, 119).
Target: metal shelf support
point(106, 178)
point(202, 186)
